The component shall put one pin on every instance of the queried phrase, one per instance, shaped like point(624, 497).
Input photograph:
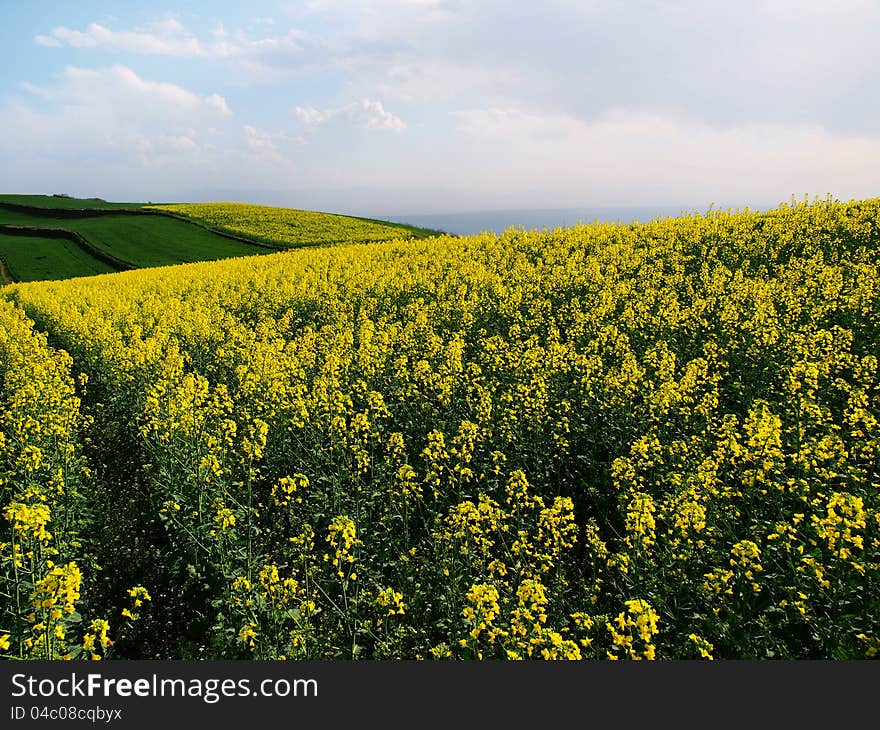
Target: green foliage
point(147, 240)
point(33, 258)
point(65, 202)
point(135, 241)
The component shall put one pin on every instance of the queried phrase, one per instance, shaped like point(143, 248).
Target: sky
point(435, 106)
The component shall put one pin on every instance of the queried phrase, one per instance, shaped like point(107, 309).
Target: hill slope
point(612, 441)
point(38, 258)
point(64, 202)
point(100, 236)
point(108, 241)
point(289, 228)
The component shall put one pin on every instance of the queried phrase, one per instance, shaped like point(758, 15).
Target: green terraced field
point(51, 201)
point(117, 236)
point(138, 240)
point(22, 217)
point(148, 240)
point(32, 258)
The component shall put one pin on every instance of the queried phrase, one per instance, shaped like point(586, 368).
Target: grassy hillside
point(147, 240)
point(135, 241)
point(34, 258)
point(609, 441)
point(23, 217)
point(290, 228)
point(65, 203)
point(146, 236)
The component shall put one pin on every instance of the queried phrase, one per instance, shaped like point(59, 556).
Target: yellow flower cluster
point(633, 630)
point(286, 489)
point(640, 523)
point(29, 521)
point(59, 587)
point(702, 646)
point(138, 595)
point(391, 601)
point(342, 537)
point(97, 637)
point(481, 611)
point(840, 526)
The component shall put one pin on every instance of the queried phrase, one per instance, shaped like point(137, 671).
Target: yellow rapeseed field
point(611, 441)
point(285, 227)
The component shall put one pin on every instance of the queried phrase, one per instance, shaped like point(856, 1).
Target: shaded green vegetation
point(22, 217)
point(137, 241)
point(33, 258)
point(146, 241)
point(66, 203)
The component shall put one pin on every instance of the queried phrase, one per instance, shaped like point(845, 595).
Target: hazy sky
point(410, 106)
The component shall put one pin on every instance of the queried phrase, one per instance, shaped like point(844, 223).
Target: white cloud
point(312, 117)
point(267, 145)
point(217, 102)
point(439, 80)
point(770, 61)
point(120, 91)
point(259, 50)
point(163, 38)
point(168, 26)
point(259, 140)
point(111, 132)
point(34, 89)
point(789, 9)
point(515, 124)
point(657, 158)
point(373, 115)
point(775, 61)
point(168, 37)
point(564, 102)
point(365, 113)
point(114, 113)
point(386, 17)
point(48, 41)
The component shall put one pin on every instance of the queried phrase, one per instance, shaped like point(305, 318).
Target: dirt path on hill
point(5, 274)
